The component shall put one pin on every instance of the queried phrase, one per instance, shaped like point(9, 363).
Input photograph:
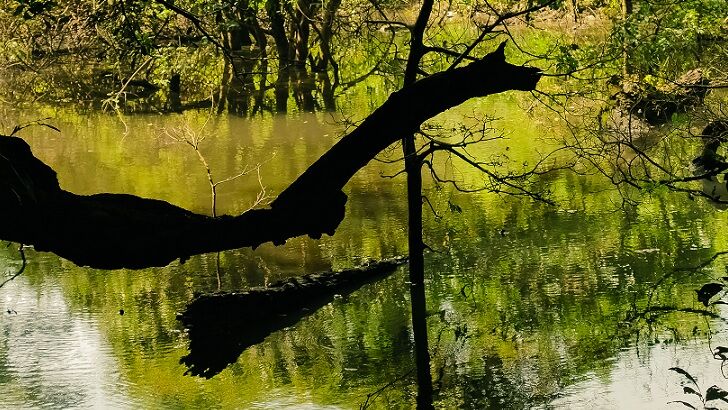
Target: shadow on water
point(540, 301)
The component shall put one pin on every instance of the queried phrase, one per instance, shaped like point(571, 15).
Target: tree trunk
point(278, 32)
point(325, 34)
point(416, 247)
point(626, 12)
point(221, 96)
point(302, 31)
point(124, 231)
point(303, 87)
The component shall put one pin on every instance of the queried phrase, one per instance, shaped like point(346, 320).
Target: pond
point(529, 305)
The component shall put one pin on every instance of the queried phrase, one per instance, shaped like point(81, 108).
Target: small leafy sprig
point(690, 386)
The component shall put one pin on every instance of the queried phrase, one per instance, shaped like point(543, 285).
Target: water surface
point(528, 303)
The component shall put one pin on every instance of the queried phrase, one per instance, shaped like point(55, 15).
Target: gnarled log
point(222, 325)
point(123, 231)
point(657, 105)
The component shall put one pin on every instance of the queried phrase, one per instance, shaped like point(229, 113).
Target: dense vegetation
point(253, 54)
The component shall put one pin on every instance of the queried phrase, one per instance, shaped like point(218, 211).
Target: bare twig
point(20, 271)
point(113, 100)
point(373, 395)
point(39, 122)
point(192, 138)
point(484, 31)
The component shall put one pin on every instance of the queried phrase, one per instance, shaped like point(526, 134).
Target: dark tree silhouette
point(112, 231)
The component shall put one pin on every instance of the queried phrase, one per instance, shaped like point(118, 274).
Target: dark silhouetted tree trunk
point(413, 166)
point(626, 12)
point(278, 32)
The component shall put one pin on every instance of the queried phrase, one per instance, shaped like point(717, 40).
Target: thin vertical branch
point(413, 166)
point(22, 267)
point(186, 135)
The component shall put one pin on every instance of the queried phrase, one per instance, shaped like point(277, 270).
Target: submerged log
point(222, 325)
point(657, 105)
point(123, 231)
point(712, 165)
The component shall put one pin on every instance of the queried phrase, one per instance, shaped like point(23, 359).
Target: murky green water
point(528, 302)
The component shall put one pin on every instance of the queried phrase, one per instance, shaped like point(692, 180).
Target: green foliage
point(566, 59)
point(669, 37)
point(117, 36)
point(32, 8)
point(712, 393)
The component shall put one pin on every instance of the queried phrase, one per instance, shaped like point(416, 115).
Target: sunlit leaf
point(714, 393)
point(682, 402)
point(708, 291)
point(720, 353)
point(689, 390)
point(720, 350)
point(684, 373)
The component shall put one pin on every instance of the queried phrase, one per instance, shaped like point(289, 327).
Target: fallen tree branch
point(112, 231)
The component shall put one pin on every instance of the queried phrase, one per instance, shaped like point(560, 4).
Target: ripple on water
point(53, 357)
point(641, 381)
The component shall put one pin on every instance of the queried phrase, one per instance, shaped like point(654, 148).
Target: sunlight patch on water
point(53, 357)
point(641, 380)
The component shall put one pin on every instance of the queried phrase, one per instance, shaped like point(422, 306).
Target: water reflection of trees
point(244, 57)
point(520, 314)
